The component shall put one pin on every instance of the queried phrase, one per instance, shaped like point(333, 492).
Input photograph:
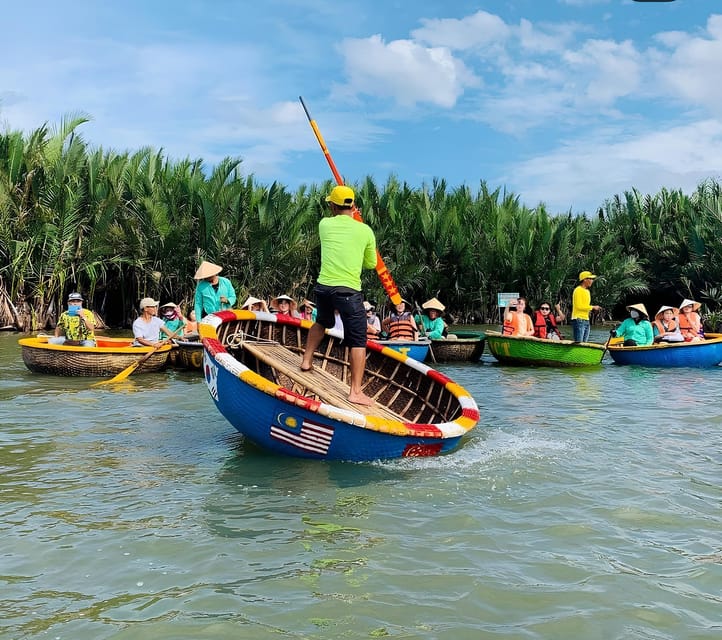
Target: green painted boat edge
point(541, 352)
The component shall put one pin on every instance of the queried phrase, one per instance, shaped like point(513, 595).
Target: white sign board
point(502, 299)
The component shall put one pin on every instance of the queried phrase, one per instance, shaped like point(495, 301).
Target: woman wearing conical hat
point(213, 292)
point(636, 329)
point(430, 321)
point(666, 325)
point(690, 322)
point(254, 304)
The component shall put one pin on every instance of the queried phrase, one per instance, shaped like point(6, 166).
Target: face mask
point(634, 313)
point(169, 314)
point(74, 309)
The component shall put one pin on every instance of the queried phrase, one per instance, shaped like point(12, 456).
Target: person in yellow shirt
point(76, 324)
point(347, 247)
point(582, 306)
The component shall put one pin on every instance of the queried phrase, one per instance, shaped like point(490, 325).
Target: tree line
point(122, 226)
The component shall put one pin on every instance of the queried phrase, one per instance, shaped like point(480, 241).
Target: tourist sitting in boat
point(76, 324)
point(191, 325)
point(285, 306)
point(254, 304)
point(690, 322)
point(373, 324)
point(635, 330)
point(545, 322)
point(516, 321)
point(307, 310)
point(213, 292)
point(430, 320)
point(147, 327)
point(400, 324)
point(172, 318)
point(666, 325)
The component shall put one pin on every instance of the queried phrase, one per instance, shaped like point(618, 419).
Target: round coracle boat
point(108, 358)
point(252, 370)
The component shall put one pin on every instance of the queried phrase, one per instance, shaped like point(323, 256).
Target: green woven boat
point(529, 351)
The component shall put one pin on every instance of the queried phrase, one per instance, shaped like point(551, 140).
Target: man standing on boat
point(347, 247)
point(582, 306)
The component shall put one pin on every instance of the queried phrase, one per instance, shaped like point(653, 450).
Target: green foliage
point(122, 226)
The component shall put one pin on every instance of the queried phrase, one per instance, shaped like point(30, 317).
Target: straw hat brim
point(639, 307)
point(206, 270)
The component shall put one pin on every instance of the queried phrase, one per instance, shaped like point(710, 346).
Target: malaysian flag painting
point(308, 435)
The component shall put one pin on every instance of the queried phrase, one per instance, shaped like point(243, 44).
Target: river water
point(586, 505)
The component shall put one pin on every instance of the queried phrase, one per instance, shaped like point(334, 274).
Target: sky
point(565, 103)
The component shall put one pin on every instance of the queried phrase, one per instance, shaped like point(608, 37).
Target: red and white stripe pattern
point(312, 437)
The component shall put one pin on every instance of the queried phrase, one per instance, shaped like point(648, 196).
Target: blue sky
point(565, 102)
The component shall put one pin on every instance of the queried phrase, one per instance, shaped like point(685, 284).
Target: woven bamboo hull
point(110, 358)
point(187, 354)
point(528, 351)
point(252, 370)
point(672, 354)
point(468, 347)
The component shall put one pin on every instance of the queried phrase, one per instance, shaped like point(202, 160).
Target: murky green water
point(587, 504)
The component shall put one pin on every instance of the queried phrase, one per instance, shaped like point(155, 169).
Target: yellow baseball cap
point(586, 274)
point(341, 195)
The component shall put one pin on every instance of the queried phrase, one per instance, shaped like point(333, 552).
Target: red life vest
point(540, 324)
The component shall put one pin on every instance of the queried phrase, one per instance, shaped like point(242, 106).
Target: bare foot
point(306, 367)
point(360, 398)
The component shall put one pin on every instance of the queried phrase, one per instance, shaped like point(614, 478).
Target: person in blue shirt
point(213, 292)
point(430, 321)
point(637, 329)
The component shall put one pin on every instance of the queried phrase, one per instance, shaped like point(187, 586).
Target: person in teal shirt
point(430, 321)
point(213, 293)
point(637, 329)
point(347, 247)
point(173, 319)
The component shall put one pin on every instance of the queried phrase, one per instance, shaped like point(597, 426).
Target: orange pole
point(383, 273)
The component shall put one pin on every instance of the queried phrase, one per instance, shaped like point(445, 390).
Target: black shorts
point(350, 306)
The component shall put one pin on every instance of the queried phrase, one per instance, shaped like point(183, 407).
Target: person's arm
point(559, 314)
point(370, 251)
point(649, 334)
point(508, 310)
point(198, 302)
point(436, 331)
point(88, 319)
point(60, 325)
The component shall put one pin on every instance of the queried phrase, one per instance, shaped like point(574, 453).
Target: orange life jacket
point(402, 327)
point(540, 324)
point(689, 331)
point(662, 329)
point(512, 328)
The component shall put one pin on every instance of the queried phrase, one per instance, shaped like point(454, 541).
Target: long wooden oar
point(383, 273)
point(132, 367)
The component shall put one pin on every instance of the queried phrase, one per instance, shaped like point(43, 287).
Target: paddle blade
point(118, 377)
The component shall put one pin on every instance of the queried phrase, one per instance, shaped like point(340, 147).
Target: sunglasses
point(545, 308)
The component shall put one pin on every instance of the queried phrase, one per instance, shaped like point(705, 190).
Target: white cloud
point(612, 69)
point(691, 65)
point(584, 172)
point(478, 30)
point(405, 71)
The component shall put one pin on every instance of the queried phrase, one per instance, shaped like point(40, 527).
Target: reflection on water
point(586, 504)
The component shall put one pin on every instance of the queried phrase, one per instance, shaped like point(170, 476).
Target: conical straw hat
point(206, 270)
point(433, 304)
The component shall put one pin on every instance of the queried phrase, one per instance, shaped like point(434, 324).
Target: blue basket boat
point(252, 370)
point(707, 353)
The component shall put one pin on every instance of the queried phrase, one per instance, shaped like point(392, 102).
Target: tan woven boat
point(109, 358)
point(460, 346)
point(187, 354)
